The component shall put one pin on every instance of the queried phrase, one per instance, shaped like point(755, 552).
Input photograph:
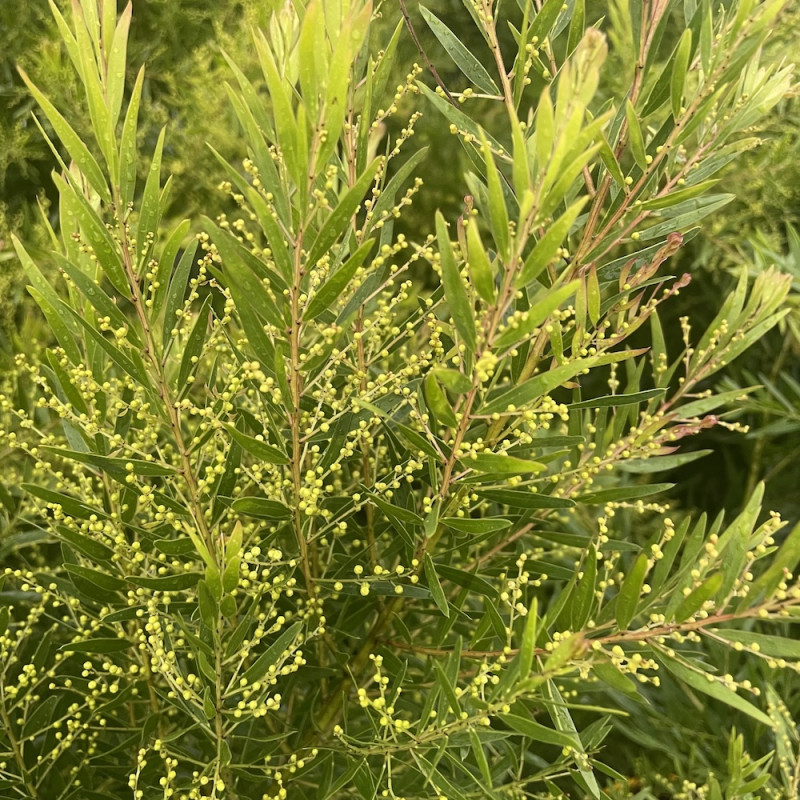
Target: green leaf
point(437, 402)
point(635, 136)
point(545, 20)
point(70, 506)
point(127, 146)
point(563, 721)
point(528, 648)
point(77, 150)
point(498, 212)
point(194, 345)
point(447, 689)
point(480, 756)
point(582, 601)
point(149, 211)
point(660, 463)
point(261, 450)
point(41, 717)
point(693, 602)
point(463, 58)
point(132, 364)
point(457, 382)
point(261, 508)
point(536, 387)
point(230, 576)
point(456, 116)
point(520, 499)
point(503, 464)
point(631, 591)
point(547, 247)
point(673, 198)
point(97, 645)
point(330, 291)
point(536, 315)
point(283, 114)
point(59, 323)
point(336, 225)
point(623, 493)
point(436, 588)
point(455, 293)
point(479, 265)
point(538, 732)
point(135, 466)
point(102, 580)
point(707, 684)
point(85, 544)
point(99, 300)
point(680, 68)
point(772, 646)
point(177, 292)
point(387, 196)
point(280, 649)
point(477, 526)
point(544, 131)
point(117, 58)
point(467, 580)
point(614, 400)
point(699, 209)
point(167, 583)
point(786, 558)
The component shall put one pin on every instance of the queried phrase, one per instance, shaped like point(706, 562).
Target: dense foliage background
point(759, 229)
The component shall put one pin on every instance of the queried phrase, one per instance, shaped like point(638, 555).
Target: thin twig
point(424, 55)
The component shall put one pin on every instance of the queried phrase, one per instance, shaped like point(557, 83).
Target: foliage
point(280, 523)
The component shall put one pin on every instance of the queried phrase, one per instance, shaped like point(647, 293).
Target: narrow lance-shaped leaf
point(127, 144)
point(194, 345)
point(503, 464)
point(166, 261)
point(132, 364)
point(330, 291)
point(150, 212)
point(538, 732)
point(461, 55)
point(336, 225)
point(115, 76)
point(90, 77)
point(635, 136)
point(498, 213)
point(454, 290)
point(99, 300)
point(436, 588)
point(109, 258)
point(285, 123)
point(537, 314)
point(680, 68)
point(177, 291)
point(437, 402)
point(547, 247)
point(528, 648)
point(536, 387)
point(77, 150)
point(479, 264)
point(631, 591)
point(709, 685)
point(260, 449)
point(694, 601)
point(564, 722)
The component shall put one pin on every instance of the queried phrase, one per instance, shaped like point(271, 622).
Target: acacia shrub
point(283, 525)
